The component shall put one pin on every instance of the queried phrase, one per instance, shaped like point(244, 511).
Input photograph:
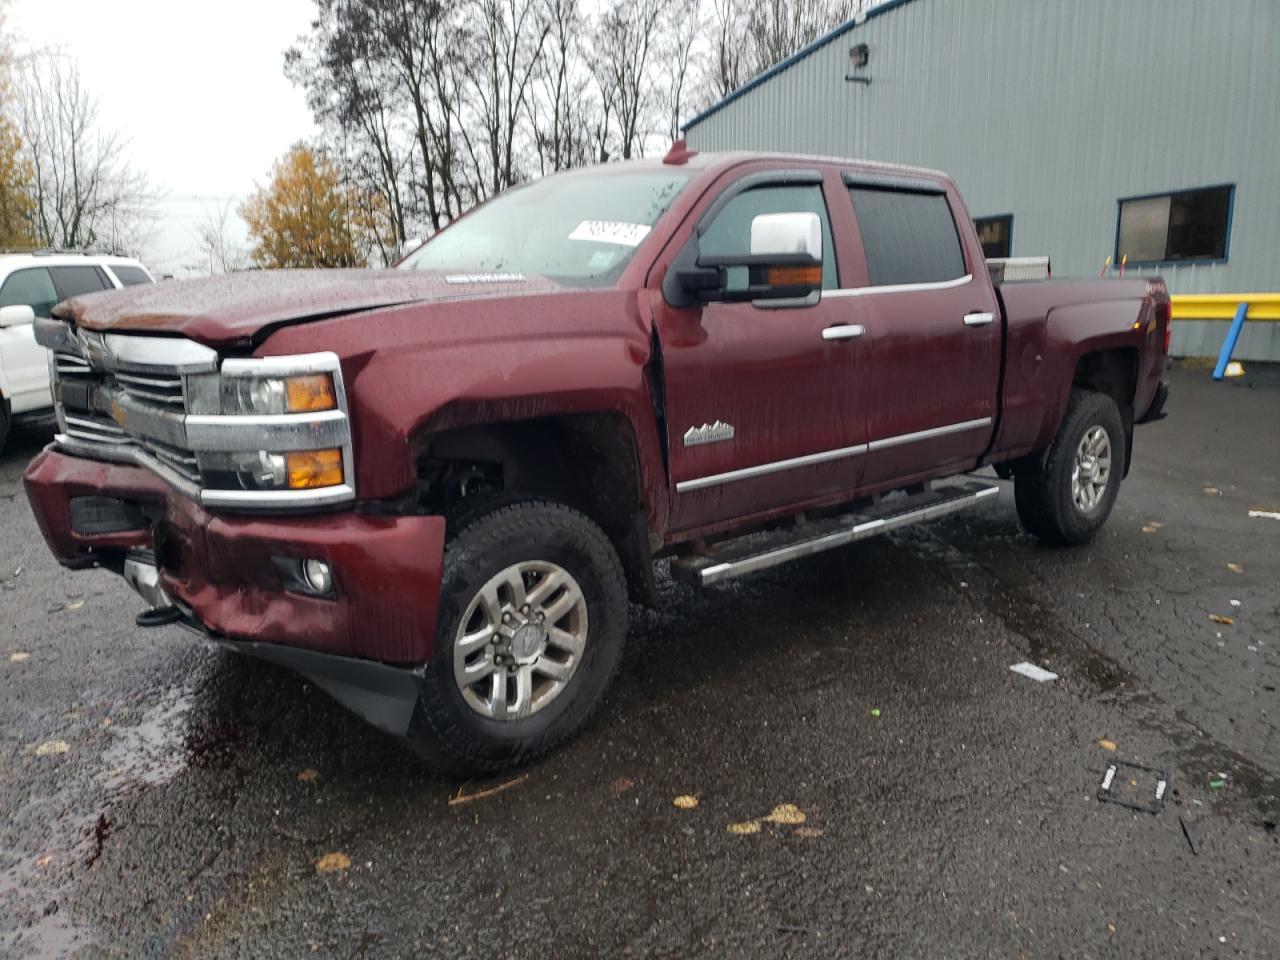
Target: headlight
point(247, 396)
point(271, 430)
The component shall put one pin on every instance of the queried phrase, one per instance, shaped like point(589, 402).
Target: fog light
point(318, 576)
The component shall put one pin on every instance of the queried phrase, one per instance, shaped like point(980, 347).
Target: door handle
point(979, 319)
point(844, 331)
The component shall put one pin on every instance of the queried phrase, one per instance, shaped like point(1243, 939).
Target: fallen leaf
point(19, 657)
point(1218, 618)
point(787, 814)
point(685, 801)
point(1213, 491)
point(622, 785)
point(1152, 527)
point(52, 747)
point(332, 863)
point(308, 775)
point(875, 711)
point(1111, 928)
point(742, 829)
point(74, 604)
point(808, 832)
point(1235, 568)
point(460, 797)
point(44, 861)
point(1108, 745)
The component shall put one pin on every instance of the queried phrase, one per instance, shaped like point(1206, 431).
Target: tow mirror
point(784, 267)
point(17, 315)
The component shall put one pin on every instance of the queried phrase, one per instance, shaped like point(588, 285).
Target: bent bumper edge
point(387, 569)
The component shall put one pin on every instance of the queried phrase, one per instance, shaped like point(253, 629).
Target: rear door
point(760, 399)
point(932, 328)
point(26, 363)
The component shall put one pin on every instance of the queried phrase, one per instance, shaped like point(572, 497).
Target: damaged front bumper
point(228, 577)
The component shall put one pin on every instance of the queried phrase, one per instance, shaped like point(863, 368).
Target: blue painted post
point(1229, 344)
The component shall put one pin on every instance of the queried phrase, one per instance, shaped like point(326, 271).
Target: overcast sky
point(198, 89)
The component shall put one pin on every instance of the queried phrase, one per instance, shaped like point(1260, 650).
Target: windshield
point(579, 229)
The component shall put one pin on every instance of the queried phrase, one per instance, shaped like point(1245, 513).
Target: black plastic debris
point(1130, 784)
point(1191, 831)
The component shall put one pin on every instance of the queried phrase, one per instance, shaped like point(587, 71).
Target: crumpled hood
point(237, 307)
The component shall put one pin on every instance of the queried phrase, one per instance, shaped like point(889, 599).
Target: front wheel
point(533, 616)
point(1068, 499)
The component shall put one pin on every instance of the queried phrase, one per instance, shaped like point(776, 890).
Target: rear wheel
point(533, 616)
point(4, 422)
point(1068, 499)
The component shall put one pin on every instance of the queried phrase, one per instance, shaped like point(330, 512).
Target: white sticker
point(610, 231)
point(484, 278)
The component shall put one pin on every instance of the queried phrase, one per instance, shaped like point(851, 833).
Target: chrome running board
point(735, 558)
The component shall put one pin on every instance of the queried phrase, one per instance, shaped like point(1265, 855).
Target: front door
point(760, 405)
point(26, 363)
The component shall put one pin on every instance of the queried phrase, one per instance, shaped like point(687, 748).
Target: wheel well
point(585, 461)
point(1115, 373)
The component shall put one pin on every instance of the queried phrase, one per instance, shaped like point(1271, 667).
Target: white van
point(30, 284)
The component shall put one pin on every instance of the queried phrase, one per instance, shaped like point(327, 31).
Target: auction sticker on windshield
point(610, 231)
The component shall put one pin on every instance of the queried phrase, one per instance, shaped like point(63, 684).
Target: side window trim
point(765, 178)
point(900, 184)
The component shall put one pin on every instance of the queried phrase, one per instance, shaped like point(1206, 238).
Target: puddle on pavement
point(153, 751)
point(35, 909)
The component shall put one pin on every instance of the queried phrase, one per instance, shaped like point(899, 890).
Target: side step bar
point(734, 558)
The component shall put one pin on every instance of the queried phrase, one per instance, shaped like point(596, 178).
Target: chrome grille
point(159, 388)
point(86, 393)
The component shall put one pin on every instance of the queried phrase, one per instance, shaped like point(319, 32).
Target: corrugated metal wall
point(1052, 110)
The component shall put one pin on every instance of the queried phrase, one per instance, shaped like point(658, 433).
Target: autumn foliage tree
point(308, 217)
point(16, 204)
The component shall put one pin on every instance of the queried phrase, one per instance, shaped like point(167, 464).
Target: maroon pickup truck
point(432, 490)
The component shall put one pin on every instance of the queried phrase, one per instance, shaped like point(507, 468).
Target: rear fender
point(1114, 329)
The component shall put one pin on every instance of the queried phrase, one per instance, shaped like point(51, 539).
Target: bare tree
point(214, 237)
point(683, 32)
point(778, 28)
point(561, 104)
point(730, 54)
point(85, 191)
point(626, 38)
point(507, 49)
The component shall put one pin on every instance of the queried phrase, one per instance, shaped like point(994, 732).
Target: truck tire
point(4, 422)
point(533, 618)
point(1068, 498)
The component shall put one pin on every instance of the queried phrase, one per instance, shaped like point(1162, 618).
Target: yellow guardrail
point(1223, 306)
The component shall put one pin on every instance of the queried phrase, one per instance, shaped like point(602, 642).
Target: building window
point(908, 236)
point(1175, 227)
point(996, 235)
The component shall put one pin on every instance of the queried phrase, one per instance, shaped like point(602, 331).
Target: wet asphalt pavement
point(199, 793)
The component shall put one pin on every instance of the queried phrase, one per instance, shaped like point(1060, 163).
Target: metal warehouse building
point(1080, 129)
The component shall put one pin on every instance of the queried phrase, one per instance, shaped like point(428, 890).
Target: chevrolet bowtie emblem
point(708, 433)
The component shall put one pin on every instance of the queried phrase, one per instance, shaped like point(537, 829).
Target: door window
point(31, 288)
point(74, 281)
point(729, 234)
point(909, 237)
point(130, 276)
